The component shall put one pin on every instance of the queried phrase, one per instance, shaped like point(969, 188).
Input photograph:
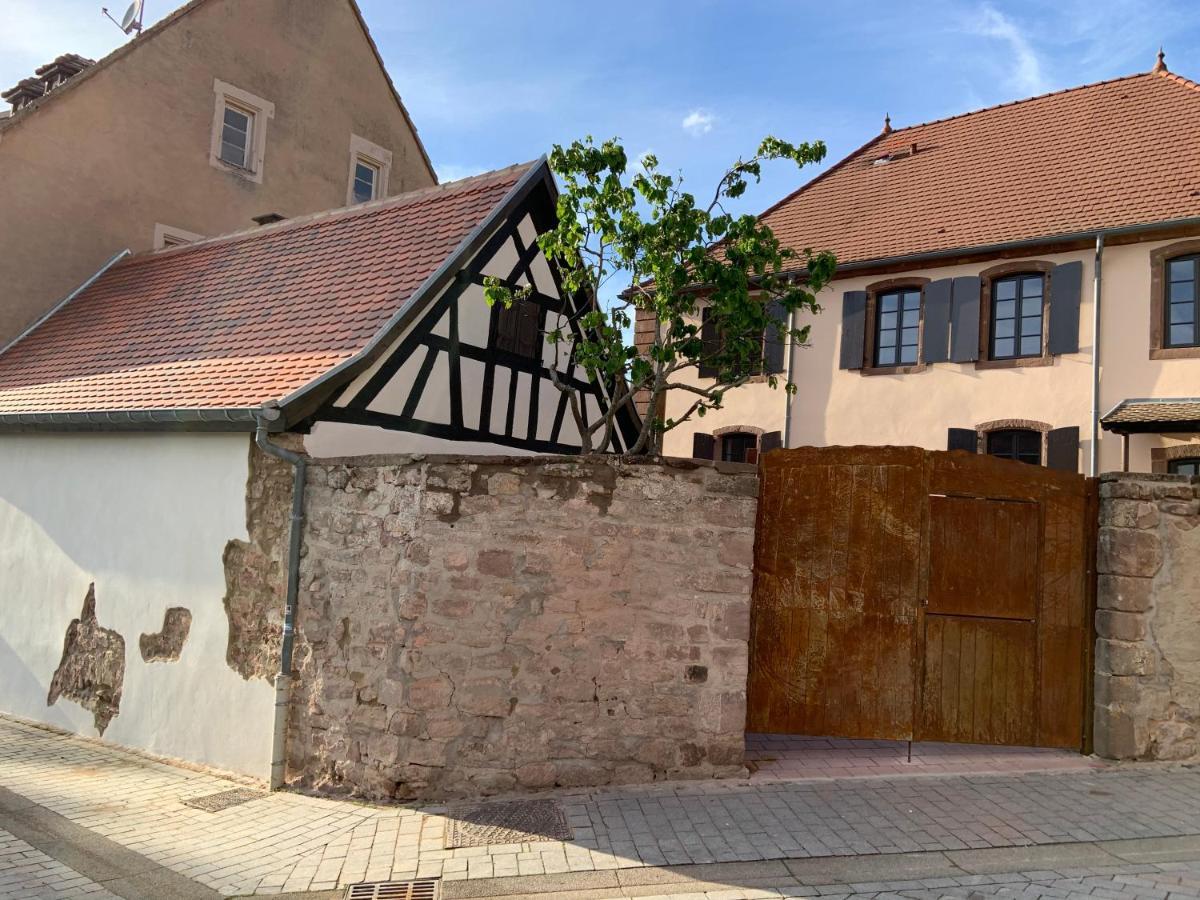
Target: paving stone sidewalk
point(27, 872)
point(287, 842)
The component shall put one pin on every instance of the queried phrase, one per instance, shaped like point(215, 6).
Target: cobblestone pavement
point(26, 872)
point(287, 842)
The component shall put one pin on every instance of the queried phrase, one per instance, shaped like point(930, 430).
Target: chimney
point(48, 77)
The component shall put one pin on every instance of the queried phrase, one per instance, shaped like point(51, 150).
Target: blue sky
point(697, 82)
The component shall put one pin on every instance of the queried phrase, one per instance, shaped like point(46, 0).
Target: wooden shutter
point(703, 446)
point(962, 439)
point(775, 339)
point(964, 319)
point(935, 343)
point(772, 440)
point(711, 341)
point(854, 329)
point(529, 329)
point(1062, 449)
point(1065, 284)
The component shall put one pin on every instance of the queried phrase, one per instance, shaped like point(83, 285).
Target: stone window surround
point(1160, 456)
point(987, 277)
point(169, 236)
point(1158, 287)
point(983, 429)
point(263, 110)
point(371, 153)
point(718, 434)
point(873, 291)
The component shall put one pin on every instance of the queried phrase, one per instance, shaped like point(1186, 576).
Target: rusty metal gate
point(909, 594)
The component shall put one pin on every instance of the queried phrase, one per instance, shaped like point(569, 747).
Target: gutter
point(200, 419)
point(788, 398)
point(283, 681)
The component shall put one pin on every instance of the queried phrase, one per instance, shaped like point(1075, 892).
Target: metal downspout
point(788, 399)
point(1097, 275)
point(283, 681)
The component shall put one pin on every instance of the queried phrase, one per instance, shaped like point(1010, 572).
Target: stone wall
point(1148, 618)
point(473, 626)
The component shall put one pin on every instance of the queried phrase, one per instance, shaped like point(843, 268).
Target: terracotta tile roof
point(1116, 153)
point(1152, 414)
point(237, 321)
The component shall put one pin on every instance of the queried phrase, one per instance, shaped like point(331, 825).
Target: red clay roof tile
point(1120, 152)
point(237, 321)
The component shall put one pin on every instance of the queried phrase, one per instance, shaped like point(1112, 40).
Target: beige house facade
point(963, 312)
point(222, 114)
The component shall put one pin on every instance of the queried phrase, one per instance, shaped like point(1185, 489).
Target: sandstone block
point(495, 562)
point(1115, 735)
point(1124, 658)
point(1126, 551)
point(483, 697)
point(1124, 593)
point(1121, 626)
point(430, 693)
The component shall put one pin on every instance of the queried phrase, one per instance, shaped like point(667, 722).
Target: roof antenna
point(1160, 64)
point(132, 20)
point(887, 123)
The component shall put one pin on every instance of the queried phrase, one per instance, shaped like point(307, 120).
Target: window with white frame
point(170, 236)
point(366, 181)
point(239, 133)
point(370, 166)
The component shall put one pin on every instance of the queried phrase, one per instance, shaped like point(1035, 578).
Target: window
point(771, 356)
point(1016, 316)
point(1184, 466)
point(1182, 298)
point(370, 167)
point(239, 131)
point(897, 327)
point(235, 137)
point(1016, 443)
point(519, 328)
point(739, 446)
point(366, 178)
point(169, 236)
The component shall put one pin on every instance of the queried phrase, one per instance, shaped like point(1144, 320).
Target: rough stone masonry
point(473, 626)
point(1148, 618)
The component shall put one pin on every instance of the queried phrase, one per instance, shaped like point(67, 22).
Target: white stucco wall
point(145, 517)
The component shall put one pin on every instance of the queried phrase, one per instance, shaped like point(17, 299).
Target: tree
point(677, 259)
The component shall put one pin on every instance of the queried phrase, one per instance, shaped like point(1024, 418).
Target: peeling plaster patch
point(93, 666)
point(166, 645)
point(256, 570)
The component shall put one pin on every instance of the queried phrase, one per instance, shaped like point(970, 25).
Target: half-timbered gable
point(465, 371)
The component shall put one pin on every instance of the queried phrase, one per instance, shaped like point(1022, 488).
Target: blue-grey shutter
point(935, 343)
point(1062, 449)
point(964, 319)
point(1065, 284)
point(711, 343)
point(775, 338)
point(772, 440)
point(962, 439)
point(854, 325)
point(703, 446)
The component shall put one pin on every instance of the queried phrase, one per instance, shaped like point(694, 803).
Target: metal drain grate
point(223, 800)
point(514, 822)
point(425, 889)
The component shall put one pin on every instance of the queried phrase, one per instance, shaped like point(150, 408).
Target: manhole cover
point(426, 889)
point(512, 822)
point(223, 800)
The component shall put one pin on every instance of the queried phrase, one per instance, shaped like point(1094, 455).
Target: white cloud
point(1026, 71)
point(698, 122)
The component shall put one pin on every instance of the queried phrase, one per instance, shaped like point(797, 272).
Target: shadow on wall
point(20, 681)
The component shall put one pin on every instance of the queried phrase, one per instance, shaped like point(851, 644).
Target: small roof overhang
point(1153, 415)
